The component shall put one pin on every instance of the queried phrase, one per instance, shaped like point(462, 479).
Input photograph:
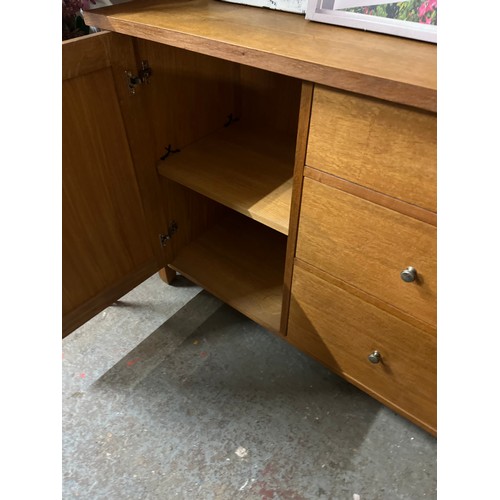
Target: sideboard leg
point(167, 275)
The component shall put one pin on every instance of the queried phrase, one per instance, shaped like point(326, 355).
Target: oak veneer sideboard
point(287, 167)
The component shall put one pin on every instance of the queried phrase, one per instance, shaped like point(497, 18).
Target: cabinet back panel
point(190, 95)
point(269, 100)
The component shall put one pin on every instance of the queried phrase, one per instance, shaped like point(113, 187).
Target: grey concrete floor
point(171, 394)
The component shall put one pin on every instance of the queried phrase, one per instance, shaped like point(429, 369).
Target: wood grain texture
point(387, 148)
point(105, 242)
point(80, 314)
point(366, 297)
point(189, 96)
point(374, 196)
point(243, 169)
point(167, 275)
point(241, 262)
point(300, 155)
point(341, 331)
point(368, 246)
point(391, 68)
point(191, 212)
point(85, 54)
point(139, 130)
point(269, 101)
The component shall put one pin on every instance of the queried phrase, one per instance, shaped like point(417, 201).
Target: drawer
point(388, 148)
point(342, 330)
point(368, 246)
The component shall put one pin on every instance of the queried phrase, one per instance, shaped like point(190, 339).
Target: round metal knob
point(409, 274)
point(374, 357)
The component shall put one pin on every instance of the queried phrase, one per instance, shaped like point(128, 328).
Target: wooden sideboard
point(286, 166)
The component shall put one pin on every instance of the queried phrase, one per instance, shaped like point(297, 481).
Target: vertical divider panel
point(298, 175)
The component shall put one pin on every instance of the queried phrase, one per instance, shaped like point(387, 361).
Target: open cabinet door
point(111, 220)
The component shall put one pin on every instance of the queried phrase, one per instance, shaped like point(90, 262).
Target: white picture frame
point(295, 6)
point(333, 12)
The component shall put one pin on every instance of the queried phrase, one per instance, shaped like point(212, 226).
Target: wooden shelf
point(242, 263)
point(248, 171)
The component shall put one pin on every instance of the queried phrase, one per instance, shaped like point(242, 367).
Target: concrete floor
point(171, 394)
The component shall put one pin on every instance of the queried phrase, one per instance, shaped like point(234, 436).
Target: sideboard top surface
point(382, 66)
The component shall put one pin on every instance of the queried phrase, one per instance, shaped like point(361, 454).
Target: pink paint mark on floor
point(132, 362)
point(268, 469)
point(268, 493)
point(83, 375)
point(264, 491)
point(263, 487)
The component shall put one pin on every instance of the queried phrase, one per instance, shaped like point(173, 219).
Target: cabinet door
point(109, 224)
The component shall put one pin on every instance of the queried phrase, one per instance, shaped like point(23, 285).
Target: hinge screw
point(143, 77)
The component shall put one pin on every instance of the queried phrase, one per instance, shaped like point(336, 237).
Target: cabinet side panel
point(189, 97)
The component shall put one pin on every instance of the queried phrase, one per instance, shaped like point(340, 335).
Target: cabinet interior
point(225, 136)
point(203, 170)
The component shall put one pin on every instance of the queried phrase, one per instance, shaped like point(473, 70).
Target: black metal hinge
point(168, 152)
point(164, 237)
point(231, 119)
point(143, 76)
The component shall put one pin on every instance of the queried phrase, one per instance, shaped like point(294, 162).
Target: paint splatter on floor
point(241, 452)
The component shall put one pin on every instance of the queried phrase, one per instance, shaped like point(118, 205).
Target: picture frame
point(415, 19)
point(294, 6)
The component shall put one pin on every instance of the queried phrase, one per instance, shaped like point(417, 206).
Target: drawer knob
point(374, 357)
point(409, 274)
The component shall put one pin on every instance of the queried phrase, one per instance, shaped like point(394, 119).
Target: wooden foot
point(167, 275)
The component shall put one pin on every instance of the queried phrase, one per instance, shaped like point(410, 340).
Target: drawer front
point(342, 330)
point(378, 145)
point(369, 246)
